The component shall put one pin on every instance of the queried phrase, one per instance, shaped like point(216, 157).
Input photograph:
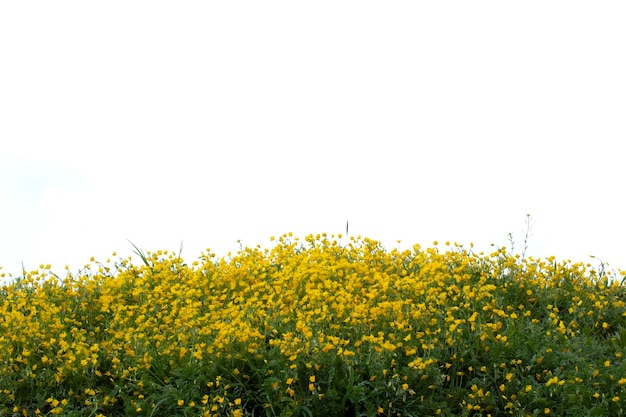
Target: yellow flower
point(552, 381)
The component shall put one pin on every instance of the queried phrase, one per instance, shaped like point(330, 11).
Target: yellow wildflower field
point(312, 327)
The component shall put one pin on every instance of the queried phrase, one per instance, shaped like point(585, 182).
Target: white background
point(207, 123)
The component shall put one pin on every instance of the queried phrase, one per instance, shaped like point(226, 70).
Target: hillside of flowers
point(314, 327)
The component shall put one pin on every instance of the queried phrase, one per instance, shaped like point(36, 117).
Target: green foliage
point(314, 328)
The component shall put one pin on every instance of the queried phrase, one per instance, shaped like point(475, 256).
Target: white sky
point(212, 122)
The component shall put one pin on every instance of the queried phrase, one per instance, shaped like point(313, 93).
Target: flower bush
point(312, 327)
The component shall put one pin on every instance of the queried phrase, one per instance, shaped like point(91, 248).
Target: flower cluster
point(314, 327)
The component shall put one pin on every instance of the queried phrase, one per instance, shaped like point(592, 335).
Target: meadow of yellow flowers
point(312, 327)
